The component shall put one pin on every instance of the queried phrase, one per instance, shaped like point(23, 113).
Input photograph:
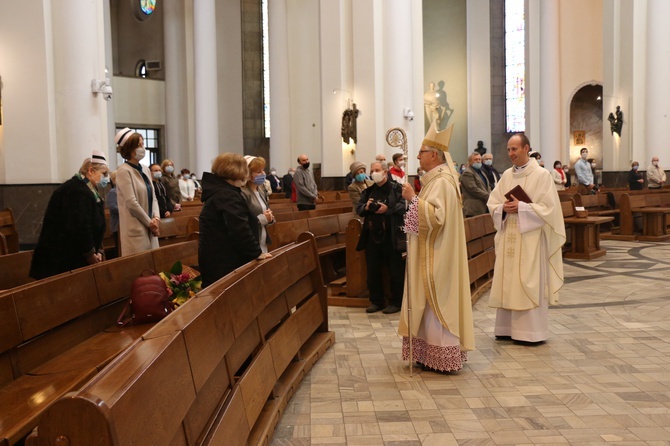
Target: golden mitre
point(438, 140)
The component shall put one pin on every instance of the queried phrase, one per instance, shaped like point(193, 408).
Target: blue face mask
point(488, 162)
point(477, 165)
point(259, 179)
point(104, 182)
point(360, 177)
point(636, 167)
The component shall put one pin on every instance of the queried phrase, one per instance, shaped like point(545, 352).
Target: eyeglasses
point(424, 151)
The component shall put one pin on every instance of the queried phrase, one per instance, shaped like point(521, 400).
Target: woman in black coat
point(228, 229)
point(74, 222)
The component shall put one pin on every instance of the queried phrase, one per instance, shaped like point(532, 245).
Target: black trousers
point(306, 207)
point(376, 256)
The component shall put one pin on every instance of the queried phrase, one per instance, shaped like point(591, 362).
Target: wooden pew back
point(8, 230)
point(15, 269)
point(220, 370)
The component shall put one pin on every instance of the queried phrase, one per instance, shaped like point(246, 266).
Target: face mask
point(292, 172)
point(421, 174)
point(305, 166)
point(239, 183)
point(488, 162)
point(273, 172)
point(377, 177)
point(585, 155)
point(477, 165)
point(104, 181)
point(655, 163)
point(401, 163)
point(566, 170)
point(636, 167)
point(593, 165)
point(557, 167)
point(157, 175)
point(185, 177)
point(193, 177)
point(259, 179)
point(139, 153)
point(538, 161)
point(169, 169)
point(360, 177)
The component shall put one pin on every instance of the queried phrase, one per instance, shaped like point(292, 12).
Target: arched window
point(141, 69)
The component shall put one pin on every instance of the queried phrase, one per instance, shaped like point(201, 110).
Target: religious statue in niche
point(436, 106)
point(349, 124)
point(616, 121)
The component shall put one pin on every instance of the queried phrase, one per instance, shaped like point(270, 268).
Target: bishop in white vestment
point(529, 263)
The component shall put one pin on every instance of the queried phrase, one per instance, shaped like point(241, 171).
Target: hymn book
point(519, 194)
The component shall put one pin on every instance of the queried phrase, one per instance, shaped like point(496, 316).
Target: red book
point(519, 194)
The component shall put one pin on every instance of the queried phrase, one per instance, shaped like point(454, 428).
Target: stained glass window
point(266, 70)
point(515, 66)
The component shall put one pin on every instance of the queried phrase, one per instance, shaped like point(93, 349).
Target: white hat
point(98, 158)
point(122, 136)
point(249, 158)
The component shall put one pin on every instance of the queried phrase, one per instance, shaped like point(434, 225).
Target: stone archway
point(586, 115)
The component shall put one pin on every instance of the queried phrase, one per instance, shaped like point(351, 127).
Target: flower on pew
point(182, 283)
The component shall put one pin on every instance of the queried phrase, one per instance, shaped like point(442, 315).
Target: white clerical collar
point(521, 168)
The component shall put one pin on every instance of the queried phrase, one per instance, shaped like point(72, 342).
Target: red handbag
point(148, 300)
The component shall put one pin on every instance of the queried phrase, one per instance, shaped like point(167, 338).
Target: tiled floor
point(602, 378)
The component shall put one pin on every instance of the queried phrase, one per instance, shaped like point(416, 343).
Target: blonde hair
point(164, 165)
point(257, 164)
point(87, 164)
point(230, 166)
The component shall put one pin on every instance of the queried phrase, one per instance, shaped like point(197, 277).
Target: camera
point(107, 92)
point(374, 206)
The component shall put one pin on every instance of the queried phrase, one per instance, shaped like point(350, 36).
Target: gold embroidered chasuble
point(437, 260)
point(517, 283)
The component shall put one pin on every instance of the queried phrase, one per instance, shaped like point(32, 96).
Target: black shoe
point(391, 309)
point(503, 338)
point(373, 308)
point(528, 343)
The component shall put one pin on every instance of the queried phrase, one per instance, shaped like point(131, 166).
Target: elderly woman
point(256, 195)
point(360, 183)
point(74, 222)
point(635, 179)
point(139, 216)
point(228, 229)
point(170, 181)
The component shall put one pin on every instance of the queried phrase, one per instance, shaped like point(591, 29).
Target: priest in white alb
point(437, 287)
point(529, 264)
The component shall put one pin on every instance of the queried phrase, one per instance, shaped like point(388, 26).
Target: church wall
point(581, 57)
point(28, 102)
point(445, 61)
point(304, 80)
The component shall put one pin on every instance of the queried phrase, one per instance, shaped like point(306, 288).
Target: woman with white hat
point(139, 216)
point(74, 222)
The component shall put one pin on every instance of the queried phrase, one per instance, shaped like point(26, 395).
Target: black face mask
point(305, 166)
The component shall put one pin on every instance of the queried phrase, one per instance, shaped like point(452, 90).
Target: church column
point(280, 101)
point(398, 72)
point(78, 58)
point(176, 99)
point(657, 74)
point(206, 85)
point(550, 95)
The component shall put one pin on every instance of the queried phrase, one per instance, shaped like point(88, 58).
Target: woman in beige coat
point(139, 216)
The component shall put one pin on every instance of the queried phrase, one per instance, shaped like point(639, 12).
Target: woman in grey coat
point(257, 198)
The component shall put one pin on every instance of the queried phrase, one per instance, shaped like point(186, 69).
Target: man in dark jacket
point(287, 182)
point(383, 207)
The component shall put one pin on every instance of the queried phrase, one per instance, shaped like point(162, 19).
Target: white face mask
point(585, 155)
point(140, 152)
point(273, 172)
point(655, 163)
point(401, 163)
point(377, 177)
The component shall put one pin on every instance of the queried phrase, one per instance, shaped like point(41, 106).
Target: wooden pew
point(59, 332)
point(479, 236)
point(219, 370)
point(15, 269)
point(4, 250)
point(8, 230)
point(585, 240)
point(655, 214)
